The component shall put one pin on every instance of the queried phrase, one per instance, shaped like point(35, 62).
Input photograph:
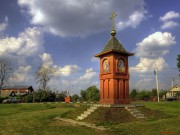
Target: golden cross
point(112, 18)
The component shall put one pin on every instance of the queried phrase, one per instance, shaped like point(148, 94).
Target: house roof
point(16, 87)
point(113, 45)
point(175, 88)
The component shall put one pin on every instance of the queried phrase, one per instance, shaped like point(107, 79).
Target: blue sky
point(67, 34)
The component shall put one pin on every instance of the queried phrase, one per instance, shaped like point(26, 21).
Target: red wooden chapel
point(114, 74)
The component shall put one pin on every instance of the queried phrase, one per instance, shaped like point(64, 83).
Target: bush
point(40, 96)
point(2, 98)
point(28, 98)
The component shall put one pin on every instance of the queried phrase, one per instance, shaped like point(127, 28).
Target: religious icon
point(121, 66)
point(106, 65)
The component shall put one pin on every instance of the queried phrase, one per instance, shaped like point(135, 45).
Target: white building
point(173, 92)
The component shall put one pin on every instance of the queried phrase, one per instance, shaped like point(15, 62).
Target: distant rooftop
point(16, 87)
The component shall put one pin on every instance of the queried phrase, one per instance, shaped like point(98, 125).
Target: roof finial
point(113, 32)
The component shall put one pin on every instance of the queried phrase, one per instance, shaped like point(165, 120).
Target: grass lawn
point(36, 119)
point(164, 125)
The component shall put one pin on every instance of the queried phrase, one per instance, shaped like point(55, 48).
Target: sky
point(67, 34)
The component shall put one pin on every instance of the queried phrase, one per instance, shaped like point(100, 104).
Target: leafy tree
point(154, 92)
point(92, 93)
point(28, 98)
point(75, 98)
point(61, 96)
point(83, 95)
point(144, 95)
point(133, 93)
point(162, 93)
point(44, 75)
point(178, 62)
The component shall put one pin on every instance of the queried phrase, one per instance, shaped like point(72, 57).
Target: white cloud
point(80, 17)
point(133, 21)
point(155, 45)
point(148, 64)
point(167, 20)
point(151, 51)
point(88, 74)
point(22, 75)
point(46, 59)
point(169, 24)
point(169, 16)
point(68, 70)
point(4, 25)
point(28, 44)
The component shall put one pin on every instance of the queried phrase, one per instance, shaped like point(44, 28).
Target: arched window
point(106, 65)
point(121, 65)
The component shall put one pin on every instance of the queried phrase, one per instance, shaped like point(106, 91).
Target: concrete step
point(87, 113)
point(135, 112)
point(139, 115)
point(84, 115)
point(80, 118)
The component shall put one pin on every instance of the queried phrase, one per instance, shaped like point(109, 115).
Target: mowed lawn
point(38, 118)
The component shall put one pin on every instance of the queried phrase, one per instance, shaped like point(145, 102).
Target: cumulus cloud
point(67, 70)
point(88, 74)
point(148, 64)
point(28, 44)
point(169, 24)
point(168, 20)
point(22, 75)
point(80, 17)
point(133, 21)
point(155, 45)
point(4, 25)
point(46, 59)
point(151, 51)
point(169, 16)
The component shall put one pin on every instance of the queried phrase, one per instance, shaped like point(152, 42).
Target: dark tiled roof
point(16, 87)
point(113, 44)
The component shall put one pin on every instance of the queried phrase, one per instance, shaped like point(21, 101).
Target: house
point(16, 90)
point(173, 92)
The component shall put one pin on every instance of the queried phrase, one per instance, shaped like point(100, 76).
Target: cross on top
point(112, 18)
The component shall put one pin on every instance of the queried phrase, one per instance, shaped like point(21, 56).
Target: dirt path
point(74, 122)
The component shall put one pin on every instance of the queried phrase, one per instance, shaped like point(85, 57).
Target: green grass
point(166, 124)
point(35, 119)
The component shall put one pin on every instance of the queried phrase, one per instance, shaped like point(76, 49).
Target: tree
point(5, 72)
point(75, 98)
point(61, 96)
point(178, 62)
point(92, 93)
point(83, 95)
point(133, 93)
point(44, 75)
point(144, 95)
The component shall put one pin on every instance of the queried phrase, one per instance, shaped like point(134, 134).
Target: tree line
point(90, 94)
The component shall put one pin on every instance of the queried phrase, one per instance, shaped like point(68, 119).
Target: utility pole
point(172, 87)
point(156, 74)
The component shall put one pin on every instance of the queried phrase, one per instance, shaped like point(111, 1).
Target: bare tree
point(5, 72)
point(44, 75)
